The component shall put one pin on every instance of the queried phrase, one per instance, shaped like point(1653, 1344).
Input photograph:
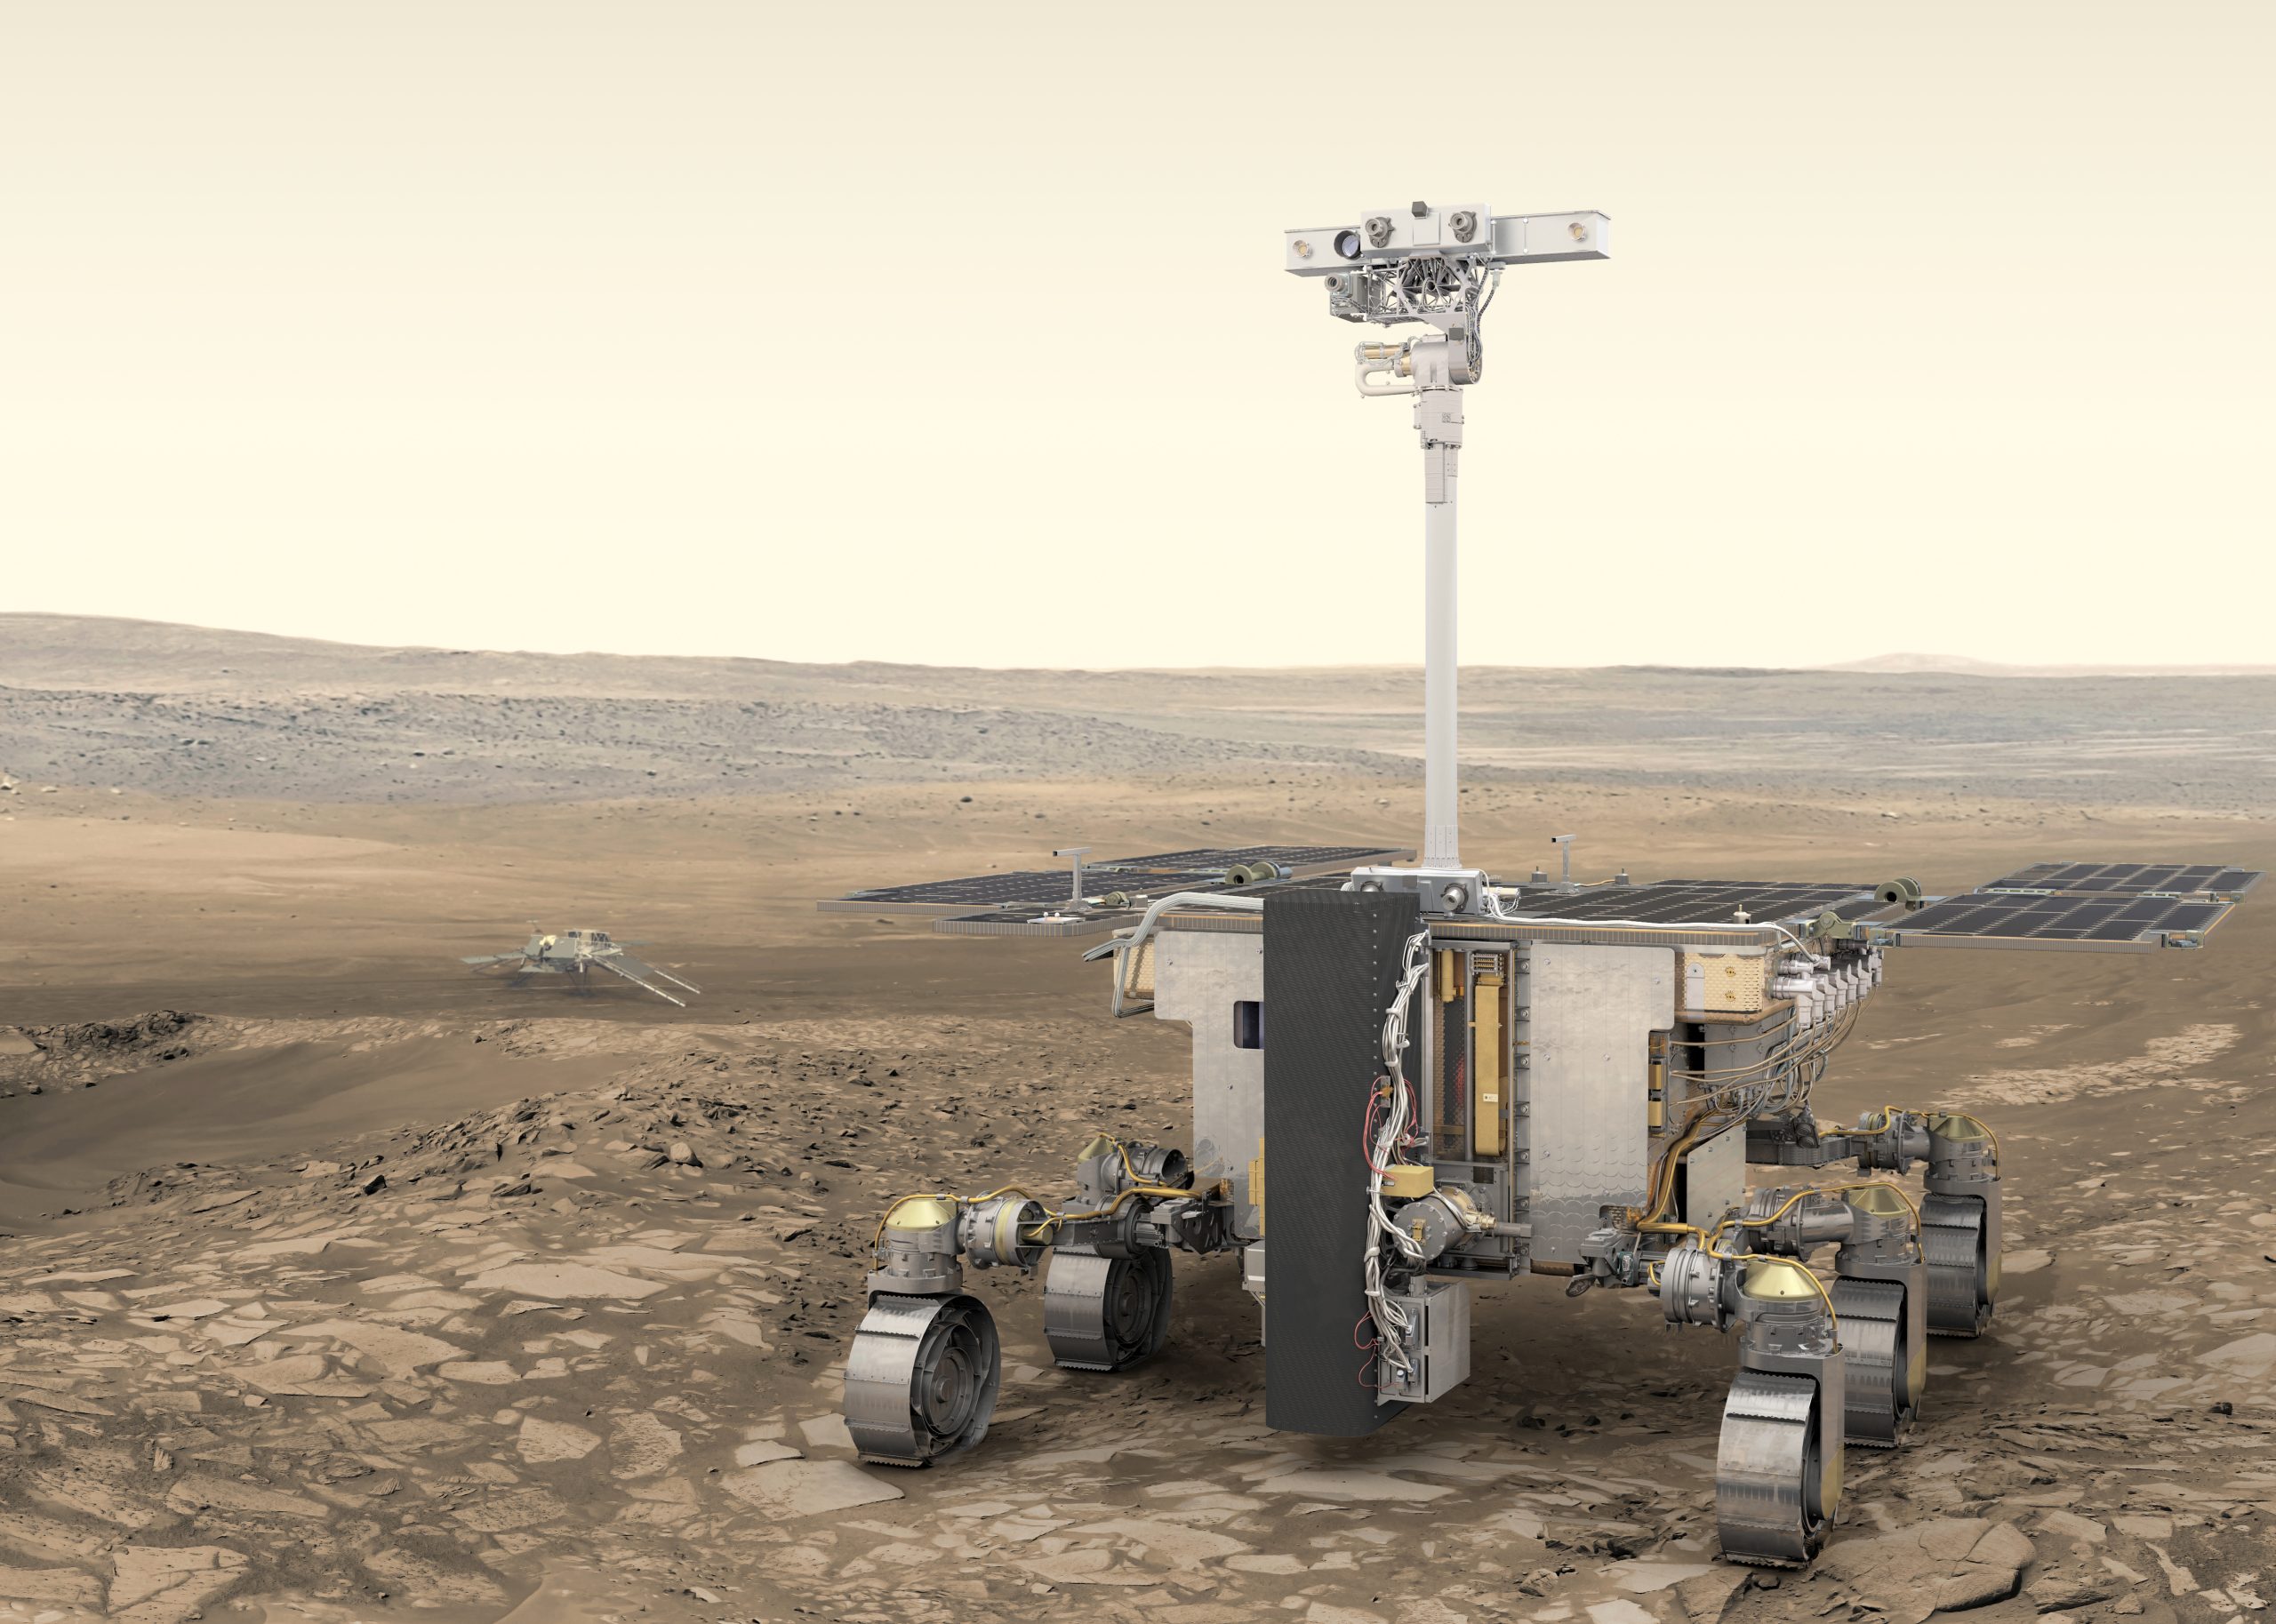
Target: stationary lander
point(1408, 1078)
point(579, 953)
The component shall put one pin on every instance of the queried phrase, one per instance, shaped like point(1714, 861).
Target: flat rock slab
point(1944, 1567)
point(303, 1375)
point(806, 1488)
point(68, 1585)
point(195, 1493)
point(484, 1373)
point(1644, 1577)
point(402, 1352)
point(1092, 1567)
point(542, 1441)
point(1173, 1543)
point(1349, 1482)
point(826, 1432)
point(161, 1585)
point(673, 1265)
point(417, 1432)
point(510, 1509)
point(760, 1451)
point(554, 1281)
point(2251, 1355)
point(643, 1445)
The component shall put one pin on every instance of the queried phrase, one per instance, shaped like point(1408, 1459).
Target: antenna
point(1077, 853)
point(1437, 267)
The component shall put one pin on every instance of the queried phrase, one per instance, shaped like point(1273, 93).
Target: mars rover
point(1411, 1077)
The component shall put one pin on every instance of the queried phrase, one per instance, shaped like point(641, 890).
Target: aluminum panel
point(1198, 977)
point(1714, 1177)
point(1593, 1009)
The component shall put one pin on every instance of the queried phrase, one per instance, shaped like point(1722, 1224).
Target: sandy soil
point(378, 1288)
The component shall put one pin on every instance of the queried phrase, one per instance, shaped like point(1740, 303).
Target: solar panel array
point(1156, 874)
point(1990, 915)
point(1022, 885)
point(2132, 879)
point(2128, 905)
point(1225, 857)
point(1691, 901)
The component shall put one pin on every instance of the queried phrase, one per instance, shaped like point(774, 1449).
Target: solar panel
point(2127, 920)
point(1691, 901)
point(1287, 857)
point(2130, 879)
point(1155, 875)
point(1043, 885)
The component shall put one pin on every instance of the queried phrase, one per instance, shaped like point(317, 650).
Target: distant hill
point(1960, 665)
point(62, 651)
point(138, 705)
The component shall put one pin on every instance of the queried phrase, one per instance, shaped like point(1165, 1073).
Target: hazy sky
point(956, 333)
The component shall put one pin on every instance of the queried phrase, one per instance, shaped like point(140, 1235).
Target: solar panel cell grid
point(1689, 901)
point(1224, 857)
point(2183, 879)
point(2061, 918)
point(1034, 885)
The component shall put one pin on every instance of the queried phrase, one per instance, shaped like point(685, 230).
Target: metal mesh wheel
point(1878, 1382)
point(922, 1378)
point(1963, 1277)
point(1106, 1314)
point(1775, 1491)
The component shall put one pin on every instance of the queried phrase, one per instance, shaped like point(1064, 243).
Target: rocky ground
point(340, 1283)
point(586, 1350)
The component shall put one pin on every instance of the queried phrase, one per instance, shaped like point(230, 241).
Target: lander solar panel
point(2100, 879)
point(1691, 901)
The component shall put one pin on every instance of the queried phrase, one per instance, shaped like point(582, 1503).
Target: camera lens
point(1347, 243)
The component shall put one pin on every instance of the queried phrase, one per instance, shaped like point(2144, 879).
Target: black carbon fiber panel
point(1331, 965)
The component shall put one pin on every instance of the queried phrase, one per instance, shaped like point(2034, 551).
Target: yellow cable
point(1051, 1219)
point(1888, 1114)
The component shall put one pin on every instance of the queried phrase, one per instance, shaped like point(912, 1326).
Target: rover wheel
point(1880, 1384)
point(1775, 1494)
point(1103, 1314)
point(922, 1378)
point(1963, 1272)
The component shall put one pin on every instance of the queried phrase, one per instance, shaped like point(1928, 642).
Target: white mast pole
point(1437, 416)
point(1436, 266)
